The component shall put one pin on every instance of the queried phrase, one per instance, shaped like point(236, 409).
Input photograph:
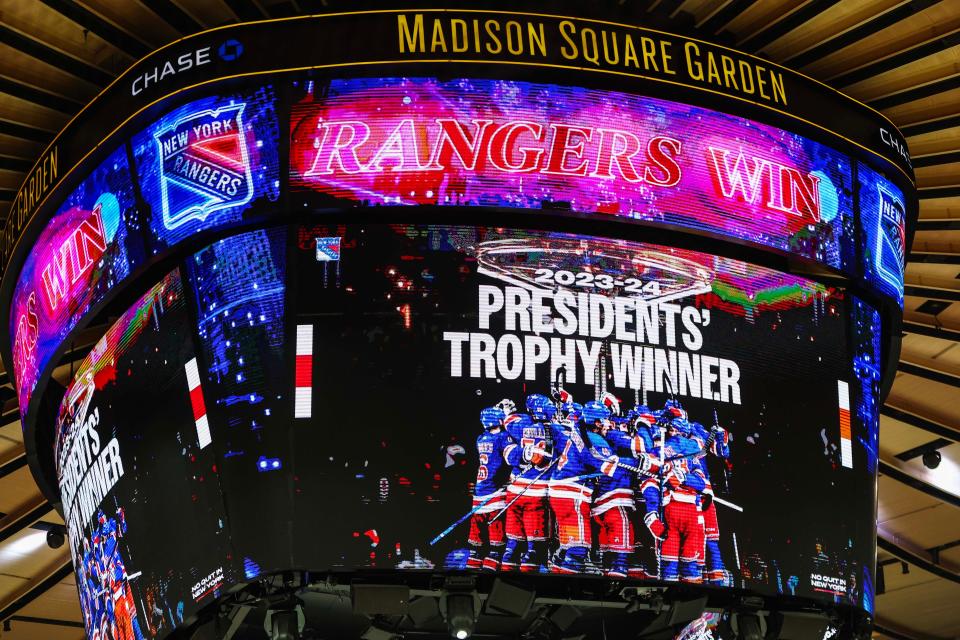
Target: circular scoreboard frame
point(443, 44)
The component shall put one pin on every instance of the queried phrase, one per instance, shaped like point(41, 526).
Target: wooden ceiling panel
point(829, 23)
point(924, 603)
point(20, 148)
point(17, 489)
point(702, 9)
point(11, 179)
point(59, 603)
point(944, 241)
point(23, 112)
point(210, 13)
point(933, 275)
point(23, 552)
point(135, 19)
point(897, 437)
point(760, 14)
point(10, 585)
point(939, 175)
point(939, 106)
point(38, 21)
point(934, 400)
point(12, 432)
point(949, 318)
point(946, 476)
point(943, 64)
point(20, 630)
point(939, 208)
point(930, 274)
point(934, 353)
point(901, 501)
point(28, 70)
point(923, 26)
point(941, 141)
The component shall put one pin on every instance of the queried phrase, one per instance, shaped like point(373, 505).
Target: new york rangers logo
point(328, 249)
point(204, 165)
point(891, 239)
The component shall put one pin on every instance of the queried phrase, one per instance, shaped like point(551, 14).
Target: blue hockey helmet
point(491, 417)
point(573, 411)
point(540, 407)
point(517, 421)
point(642, 413)
point(593, 411)
point(674, 409)
point(681, 426)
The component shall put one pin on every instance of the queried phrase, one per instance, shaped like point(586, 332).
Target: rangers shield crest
point(891, 239)
point(204, 165)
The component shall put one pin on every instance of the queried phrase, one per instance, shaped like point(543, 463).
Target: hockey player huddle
point(569, 488)
point(109, 610)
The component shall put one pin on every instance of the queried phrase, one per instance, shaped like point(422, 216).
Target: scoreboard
point(463, 258)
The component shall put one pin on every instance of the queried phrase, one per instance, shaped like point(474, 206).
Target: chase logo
point(891, 238)
point(204, 165)
point(230, 50)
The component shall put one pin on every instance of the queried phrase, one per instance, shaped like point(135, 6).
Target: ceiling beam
point(884, 629)
point(173, 15)
point(937, 192)
point(928, 373)
point(22, 517)
point(933, 159)
point(914, 558)
point(846, 38)
point(90, 21)
point(245, 10)
point(54, 58)
point(919, 422)
point(912, 94)
point(34, 590)
point(9, 163)
point(934, 257)
point(13, 462)
point(897, 60)
point(932, 293)
point(722, 17)
point(922, 486)
point(931, 330)
point(50, 621)
point(24, 132)
point(930, 126)
point(785, 25)
point(39, 96)
point(938, 225)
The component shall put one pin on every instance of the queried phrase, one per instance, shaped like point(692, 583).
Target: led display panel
point(429, 398)
point(239, 286)
point(519, 144)
point(201, 166)
point(90, 244)
point(883, 224)
point(215, 162)
point(207, 163)
point(543, 402)
point(138, 480)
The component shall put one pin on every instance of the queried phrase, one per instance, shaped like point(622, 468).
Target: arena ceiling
point(901, 57)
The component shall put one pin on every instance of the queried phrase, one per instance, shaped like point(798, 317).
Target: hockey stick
point(727, 504)
point(524, 490)
point(447, 531)
point(465, 517)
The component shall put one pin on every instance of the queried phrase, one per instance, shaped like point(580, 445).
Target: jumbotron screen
point(428, 398)
point(215, 162)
